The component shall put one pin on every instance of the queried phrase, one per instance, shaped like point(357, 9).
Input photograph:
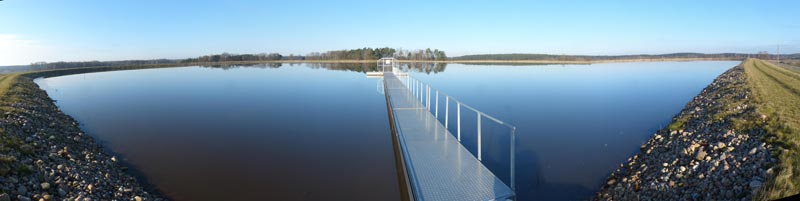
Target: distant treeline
point(235, 57)
point(377, 53)
point(81, 64)
point(552, 57)
point(351, 54)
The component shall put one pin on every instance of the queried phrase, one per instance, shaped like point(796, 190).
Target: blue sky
point(52, 30)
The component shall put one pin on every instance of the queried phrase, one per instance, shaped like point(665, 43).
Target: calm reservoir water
point(307, 133)
point(196, 133)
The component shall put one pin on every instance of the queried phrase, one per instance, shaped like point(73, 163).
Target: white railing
point(422, 92)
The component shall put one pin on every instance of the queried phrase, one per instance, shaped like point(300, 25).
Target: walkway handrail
point(422, 91)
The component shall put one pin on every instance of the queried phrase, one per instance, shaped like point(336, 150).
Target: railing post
point(446, 111)
point(419, 91)
point(411, 85)
point(436, 114)
point(424, 94)
point(479, 135)
point(513, 158)
point(428, 97)
point(458, 119)
point(414, 87)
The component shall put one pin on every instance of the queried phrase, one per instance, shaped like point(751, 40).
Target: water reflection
point(354, 67)
point(232, 66)
point(239, 132)
point(427, 68)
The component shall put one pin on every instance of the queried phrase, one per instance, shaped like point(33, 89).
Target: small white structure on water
point(385, 64)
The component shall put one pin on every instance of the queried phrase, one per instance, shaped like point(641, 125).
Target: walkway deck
point(439, 167)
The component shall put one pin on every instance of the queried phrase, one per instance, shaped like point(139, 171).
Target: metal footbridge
point(434, 163)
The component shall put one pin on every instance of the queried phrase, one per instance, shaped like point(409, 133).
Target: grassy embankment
point(777, 95)
point(6, 87)
point(10, 142)
point(15, 88)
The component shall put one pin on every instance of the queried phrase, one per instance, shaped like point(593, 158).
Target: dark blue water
point(575, 123)
point(289, 133)
point(321, 133)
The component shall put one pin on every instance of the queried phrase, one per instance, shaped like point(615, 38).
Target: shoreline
point(713, 149)
point(45, 155)
point(78, 70)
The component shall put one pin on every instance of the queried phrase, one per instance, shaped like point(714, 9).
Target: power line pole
point(779, 53)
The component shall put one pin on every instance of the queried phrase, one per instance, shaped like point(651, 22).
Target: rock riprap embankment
point(704, 154)
point(45, 156)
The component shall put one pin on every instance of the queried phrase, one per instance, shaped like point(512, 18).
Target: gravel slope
point(45, 156)
point(708, 152)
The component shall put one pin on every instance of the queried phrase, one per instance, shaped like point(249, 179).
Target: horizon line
point(303, 55)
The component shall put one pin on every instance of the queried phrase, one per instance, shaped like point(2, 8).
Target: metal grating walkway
point(439, 167)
